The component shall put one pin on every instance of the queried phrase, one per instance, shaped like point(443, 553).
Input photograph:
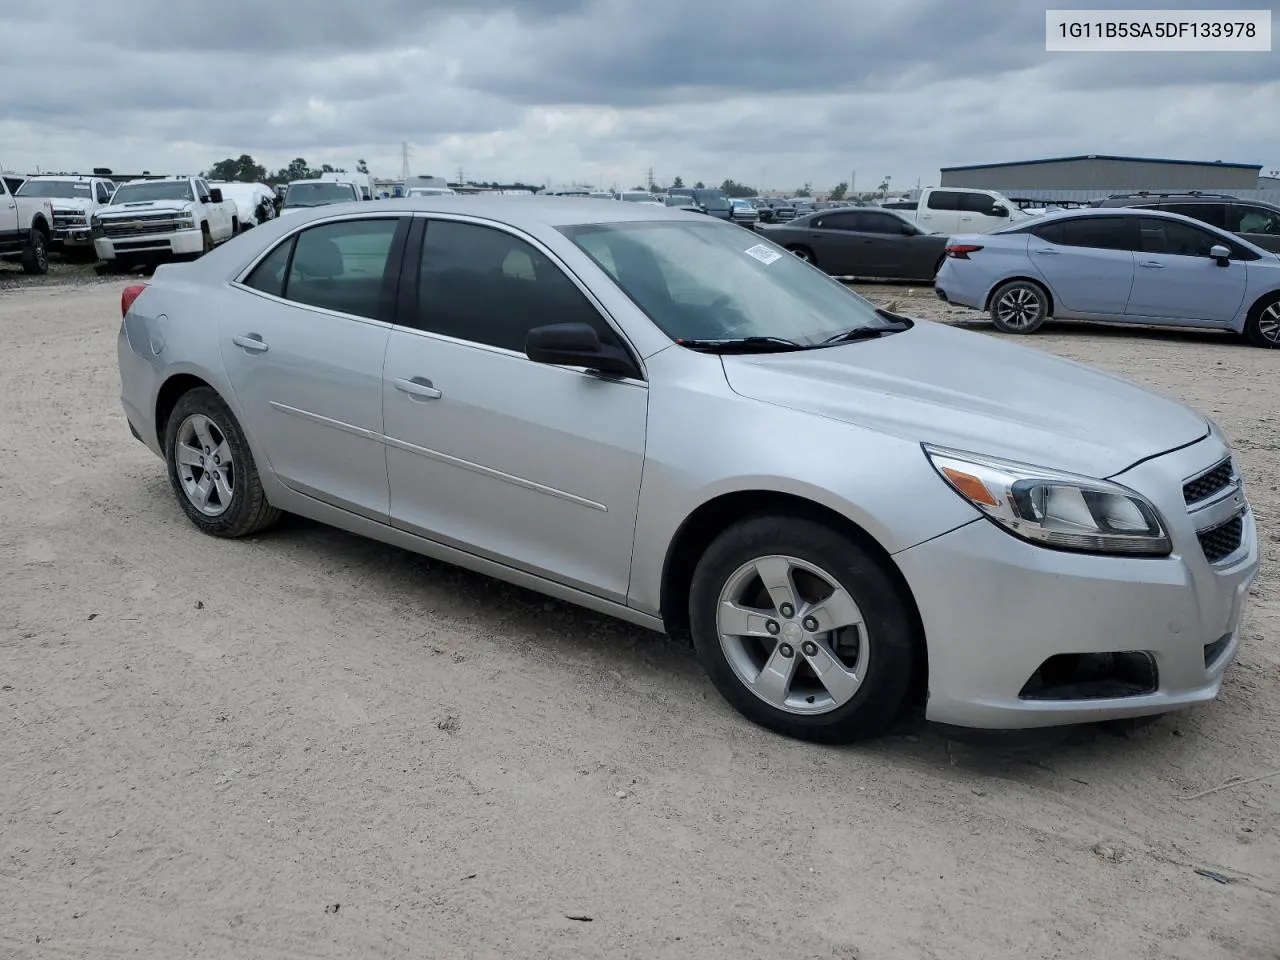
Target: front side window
point(1249, 219)
point(488, 286)
point(335, 266)
point(976, 203)
point(705, 280)
point(1174, 237)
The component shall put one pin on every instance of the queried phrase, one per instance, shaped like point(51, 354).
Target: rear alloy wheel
point(36, 258)
point(1019, 306)
point(1263, 326)
point(211, 469)
point(804, 253)
point(802, 630)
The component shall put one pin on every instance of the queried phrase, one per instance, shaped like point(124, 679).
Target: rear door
point(304, 345)
point(1176, 279)
point(1088, 263)
point(940, 211)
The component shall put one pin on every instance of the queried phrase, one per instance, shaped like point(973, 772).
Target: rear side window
point(1245, 218)
point(340, 266)
point(837, 221)
point(944, 200)
point(883, 223)
point(1214, 214)
point(1100, 233)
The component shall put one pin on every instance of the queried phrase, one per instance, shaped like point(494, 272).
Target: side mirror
point(908, 230)
point(576, 345)
point(215, 195)
point(1221, 254)
point(999, 210)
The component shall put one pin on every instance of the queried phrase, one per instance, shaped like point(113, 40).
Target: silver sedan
point(662, 417)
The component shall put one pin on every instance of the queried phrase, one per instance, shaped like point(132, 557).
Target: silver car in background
point(662, 417)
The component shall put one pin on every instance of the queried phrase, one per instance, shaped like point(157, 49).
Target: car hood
point(969, 391)
point(145, 206)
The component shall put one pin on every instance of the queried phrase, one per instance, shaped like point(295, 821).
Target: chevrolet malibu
point(662, 417)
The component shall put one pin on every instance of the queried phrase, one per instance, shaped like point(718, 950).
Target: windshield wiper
point(742, 345)
point(871, 333)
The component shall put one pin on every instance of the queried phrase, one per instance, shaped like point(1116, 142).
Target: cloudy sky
point(765, 92)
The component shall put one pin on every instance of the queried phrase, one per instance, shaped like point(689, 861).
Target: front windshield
point(707, 281)
point(318, 194)
point(158, 190)
point(713, 202)
point(637, 196)
point(55, 188)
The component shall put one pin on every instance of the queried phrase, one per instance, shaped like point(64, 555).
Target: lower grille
point(1221, 541)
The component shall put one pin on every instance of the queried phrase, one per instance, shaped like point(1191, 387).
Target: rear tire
point(1262, 328)
point(35, 260)
point(833, 666)
point(212, 470)
point(1019, 306)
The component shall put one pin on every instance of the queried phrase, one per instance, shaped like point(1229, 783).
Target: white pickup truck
point(75, 200)
point(162, 219)
point(952, 210)
point(26, 225)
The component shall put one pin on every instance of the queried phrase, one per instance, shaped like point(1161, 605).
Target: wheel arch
point(1035, 281)
point(170, 392)
point(716, 515)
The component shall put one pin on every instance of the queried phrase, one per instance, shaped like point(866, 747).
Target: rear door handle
point(253, 343)
point(1151, 264)
point(420, 388)
point(1047, 251)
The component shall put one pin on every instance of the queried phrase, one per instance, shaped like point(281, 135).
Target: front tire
point(212, 470)
point(35, 260)
point(1019, 306)
point(1263, 325)
point(802, 629)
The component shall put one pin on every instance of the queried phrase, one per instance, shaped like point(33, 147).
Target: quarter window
point(488, 286)
point(268, 275)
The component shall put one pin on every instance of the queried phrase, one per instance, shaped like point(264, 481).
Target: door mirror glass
point(575, 345)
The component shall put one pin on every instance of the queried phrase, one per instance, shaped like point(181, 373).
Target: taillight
point(961, 251)
point(128, 295)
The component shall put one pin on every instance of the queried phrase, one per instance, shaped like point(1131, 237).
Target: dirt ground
point(309, 745)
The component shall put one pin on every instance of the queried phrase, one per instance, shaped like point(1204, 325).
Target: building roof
point(1105, 156)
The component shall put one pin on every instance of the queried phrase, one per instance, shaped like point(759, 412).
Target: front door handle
point(253, 343)
point(420, 388)
point(1151, 264)
point(1046, 251)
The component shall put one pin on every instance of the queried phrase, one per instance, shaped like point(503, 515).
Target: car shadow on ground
point(604, 643)
point(1115, 331)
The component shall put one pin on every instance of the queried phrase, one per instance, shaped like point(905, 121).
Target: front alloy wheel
point(803, 629)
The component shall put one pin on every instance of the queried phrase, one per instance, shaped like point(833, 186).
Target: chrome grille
point(126, 227)
point(1214, 480)
point(1221, 541)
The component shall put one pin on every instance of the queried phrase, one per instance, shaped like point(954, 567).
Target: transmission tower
point(405, 152)
point(650, 181)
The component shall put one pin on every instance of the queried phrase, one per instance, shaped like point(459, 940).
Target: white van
point(952, 210)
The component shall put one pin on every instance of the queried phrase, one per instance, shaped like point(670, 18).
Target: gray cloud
point(604, 89)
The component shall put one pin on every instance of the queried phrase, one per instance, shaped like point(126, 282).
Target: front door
point(531, 465)
point(1176, 278)
point(304, 347)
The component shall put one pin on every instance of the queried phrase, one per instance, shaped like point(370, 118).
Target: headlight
point(1052, 508)
point(184, 222)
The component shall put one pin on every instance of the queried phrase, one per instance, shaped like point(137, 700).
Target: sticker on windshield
point(764, 254)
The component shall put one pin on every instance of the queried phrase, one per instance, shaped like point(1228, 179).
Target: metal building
point(1096, 171)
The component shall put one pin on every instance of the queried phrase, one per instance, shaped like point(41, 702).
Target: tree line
point(245, 169)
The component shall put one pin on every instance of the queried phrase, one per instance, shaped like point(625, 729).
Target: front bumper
point(996, 608)
point(176, 243)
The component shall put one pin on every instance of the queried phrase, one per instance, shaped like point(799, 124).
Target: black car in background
point(862, 242)
point(1255, 220)
point(783, 210)
point(763, 208)
point(714, 203)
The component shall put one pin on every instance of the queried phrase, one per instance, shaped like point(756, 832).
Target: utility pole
point(461, 182)
point(405, 152)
